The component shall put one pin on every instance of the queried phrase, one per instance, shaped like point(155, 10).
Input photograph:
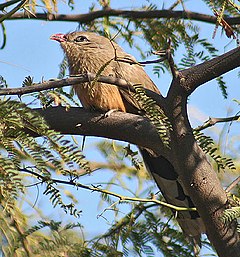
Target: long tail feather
point(167, 180)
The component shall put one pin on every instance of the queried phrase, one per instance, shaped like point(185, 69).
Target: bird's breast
point(99, 96)
point(96, 95)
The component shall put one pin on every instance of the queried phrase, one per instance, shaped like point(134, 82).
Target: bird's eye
point(80, 39)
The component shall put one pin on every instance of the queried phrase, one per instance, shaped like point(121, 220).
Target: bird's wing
point(167, 180)
point(126, 67)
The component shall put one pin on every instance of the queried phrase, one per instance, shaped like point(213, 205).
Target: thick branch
point(77, 121)
point(148, 14)
point(196, 173)
point(206, 71)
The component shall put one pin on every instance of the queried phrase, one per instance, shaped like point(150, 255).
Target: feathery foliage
point(21, 152)
point(119, 158)
point(231, 214)
point(133, 156)
point(208, 146)
point(154, 113)
point(143, 229)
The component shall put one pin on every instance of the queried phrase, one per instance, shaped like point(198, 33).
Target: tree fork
point(195, 172)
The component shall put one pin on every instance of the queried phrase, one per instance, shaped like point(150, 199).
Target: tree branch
point(104, 191)
point(212, 121)
point(198, 75)
point(58, 83)
point(148, 14)
point(7, 4)
point(233, 184)
point(15, 9)
point(135, 129)
point(196, 173)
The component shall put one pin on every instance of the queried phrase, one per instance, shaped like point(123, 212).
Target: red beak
point(59, 37)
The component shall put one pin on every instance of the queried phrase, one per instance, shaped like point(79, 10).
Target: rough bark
point(135, 129)
point(198, 176)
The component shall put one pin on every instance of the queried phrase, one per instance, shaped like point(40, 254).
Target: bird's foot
point(108, 113)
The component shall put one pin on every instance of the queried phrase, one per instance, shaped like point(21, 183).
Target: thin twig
point(137, 210)
point(233, 184)
point(175, 4)
point(212, 121)
point(4, 5)
point(15, 9)
point(153, 61)
point(108, 208)
point(167, 55)
point(171, 60)
point(97, 189)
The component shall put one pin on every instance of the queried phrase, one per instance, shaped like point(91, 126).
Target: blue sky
point(30, 52)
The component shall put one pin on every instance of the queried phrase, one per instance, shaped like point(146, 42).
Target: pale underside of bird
point(89, 52)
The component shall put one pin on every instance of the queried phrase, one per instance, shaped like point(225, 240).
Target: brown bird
point(89, 52)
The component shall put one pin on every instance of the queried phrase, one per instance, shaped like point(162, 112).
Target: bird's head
point(86, 49)
point(82, 41)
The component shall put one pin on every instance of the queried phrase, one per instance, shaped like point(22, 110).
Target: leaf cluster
point(21, 152)
point(209, 147)
point(53, 154)
point(232, 214)
point(154, 113)
point(144, 236)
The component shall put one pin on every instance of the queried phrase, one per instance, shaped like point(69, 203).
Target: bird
point(88, 52)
